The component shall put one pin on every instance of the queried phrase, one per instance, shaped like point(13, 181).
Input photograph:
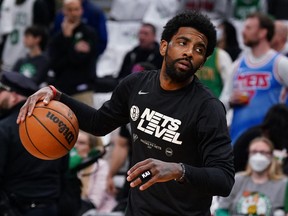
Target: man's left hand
point(154, 171)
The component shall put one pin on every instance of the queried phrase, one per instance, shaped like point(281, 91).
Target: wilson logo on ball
point(69, 136)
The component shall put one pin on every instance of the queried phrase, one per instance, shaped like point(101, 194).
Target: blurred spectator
point(71, 195)
point(260, 190)
point(29, 186)
point(213, 9)
point(93, 177)
point(35, 65)
point(259, 77)
point(215, 71)
point(227, 39)
point(278, 9)
point(24, 13)
point(146, 51)
point(279, 40)
point(274, 127)
point(93, 16)
point(73, 54)
point(241, 8)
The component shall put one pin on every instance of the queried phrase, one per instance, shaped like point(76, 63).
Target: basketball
point(50, 132)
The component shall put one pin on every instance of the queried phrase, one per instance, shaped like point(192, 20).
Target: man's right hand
point(44, 94)
point(68, 27)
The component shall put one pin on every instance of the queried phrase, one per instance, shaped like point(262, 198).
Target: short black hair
point(266, 22)
point(193, 19)
point(38, 31)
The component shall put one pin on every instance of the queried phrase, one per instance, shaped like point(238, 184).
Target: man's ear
point(263, 33)
point(163, 47)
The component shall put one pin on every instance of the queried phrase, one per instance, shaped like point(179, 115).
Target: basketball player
point(29, 186)
point(182, 153)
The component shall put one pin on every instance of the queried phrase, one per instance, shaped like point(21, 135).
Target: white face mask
point(259, 162)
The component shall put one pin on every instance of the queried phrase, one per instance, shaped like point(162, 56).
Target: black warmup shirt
point(186, 125)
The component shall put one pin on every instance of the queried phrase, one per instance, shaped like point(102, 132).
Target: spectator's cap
point(16, 82)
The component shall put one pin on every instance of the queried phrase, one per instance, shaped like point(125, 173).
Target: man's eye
point(200, 50)
point(182, 43)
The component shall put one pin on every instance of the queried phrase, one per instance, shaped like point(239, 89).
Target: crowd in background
point(85, 51)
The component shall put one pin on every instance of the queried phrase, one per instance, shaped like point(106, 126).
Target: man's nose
point(188, 52)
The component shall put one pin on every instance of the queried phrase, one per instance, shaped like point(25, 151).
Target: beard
point(177, 75)
point(251, 43)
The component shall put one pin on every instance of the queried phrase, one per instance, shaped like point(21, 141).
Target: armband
point(56, 94)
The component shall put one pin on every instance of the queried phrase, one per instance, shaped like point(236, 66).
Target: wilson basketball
point(50, 132)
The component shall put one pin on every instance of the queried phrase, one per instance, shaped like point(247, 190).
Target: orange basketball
point(50, 132)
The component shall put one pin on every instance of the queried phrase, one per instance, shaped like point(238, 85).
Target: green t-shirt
point(210, 75)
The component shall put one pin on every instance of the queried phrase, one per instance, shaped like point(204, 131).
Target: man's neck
point(168, 84)
point(262, 48)
point(36, 51)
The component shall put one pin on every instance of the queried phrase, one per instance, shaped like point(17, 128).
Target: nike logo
point(142, 93)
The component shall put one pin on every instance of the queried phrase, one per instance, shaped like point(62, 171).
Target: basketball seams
point(28, 135)
point(51, 133)
point(48, 108)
